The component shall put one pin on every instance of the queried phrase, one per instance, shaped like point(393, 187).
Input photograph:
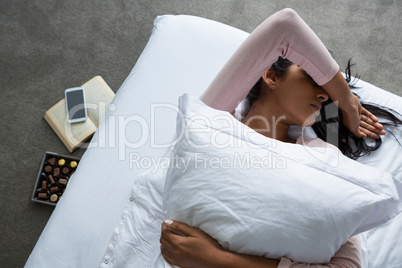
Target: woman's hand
point(187, 246)
point(361, 122)
point(358, 120)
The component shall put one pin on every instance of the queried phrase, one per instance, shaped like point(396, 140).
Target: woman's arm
point(285, 34)
point(358, 120)
point(197, 249)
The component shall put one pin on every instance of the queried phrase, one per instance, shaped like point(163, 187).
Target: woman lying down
point(291, 76)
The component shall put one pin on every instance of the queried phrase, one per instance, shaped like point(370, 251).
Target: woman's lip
point(317, 108)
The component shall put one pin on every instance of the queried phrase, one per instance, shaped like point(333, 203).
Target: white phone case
point(77, 106)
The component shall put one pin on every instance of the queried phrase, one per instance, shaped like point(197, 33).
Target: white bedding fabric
point(263, 197)
point(97, 212)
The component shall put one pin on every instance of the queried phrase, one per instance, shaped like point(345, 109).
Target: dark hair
point(281, 67)
point(329, 126)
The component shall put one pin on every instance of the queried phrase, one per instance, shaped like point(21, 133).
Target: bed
point(111, 186)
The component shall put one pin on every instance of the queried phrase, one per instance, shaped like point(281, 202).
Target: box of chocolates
point(53, 177)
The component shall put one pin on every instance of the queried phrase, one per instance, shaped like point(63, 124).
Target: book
point(98, 96)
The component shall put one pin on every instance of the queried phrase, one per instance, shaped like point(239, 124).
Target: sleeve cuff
point(284, 263)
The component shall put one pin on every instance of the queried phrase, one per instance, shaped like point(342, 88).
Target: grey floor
point(47, 46)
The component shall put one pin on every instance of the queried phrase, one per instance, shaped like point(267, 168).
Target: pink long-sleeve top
point(348, 256)
point(283, 34)
point(286, 35)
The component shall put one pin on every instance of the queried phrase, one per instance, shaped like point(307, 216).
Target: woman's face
point(298, 97)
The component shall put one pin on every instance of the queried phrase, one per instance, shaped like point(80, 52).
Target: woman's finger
point(166, 242)
point(378, 127)
point(368, 133)
point(169, 238)
point(365, 123)
point(369, 125)
point(361, 133)
point(367, 130)
point(180, 228)
point(168, 256)
point(369, 115)
point(367, 119)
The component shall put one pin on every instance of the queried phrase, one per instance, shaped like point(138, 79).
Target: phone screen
point(75, 104)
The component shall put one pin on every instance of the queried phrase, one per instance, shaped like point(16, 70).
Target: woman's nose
point(322, 95)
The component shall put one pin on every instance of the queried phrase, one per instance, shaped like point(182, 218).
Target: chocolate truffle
point(56, 172)
point(73, 164)
point(63, 181)
point(47, 169)
point(44, 185)
point(54, 189)
point(54, 197)
point(42, 195)
point(51, 179)
point(52, 161)
point(61, 162)
point(65, 170)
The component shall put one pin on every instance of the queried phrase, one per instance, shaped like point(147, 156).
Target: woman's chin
point(310, 121)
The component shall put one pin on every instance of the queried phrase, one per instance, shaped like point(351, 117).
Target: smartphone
point(75, 105)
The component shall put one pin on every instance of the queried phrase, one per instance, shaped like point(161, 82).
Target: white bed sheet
point(183, 55)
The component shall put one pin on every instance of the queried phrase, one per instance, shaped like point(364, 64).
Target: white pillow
point(263, 197)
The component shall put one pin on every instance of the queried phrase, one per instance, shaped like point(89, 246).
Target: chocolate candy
point(65, 170)
point(44, 185)
point(52, 181)
point(63, 181)
point(54, 198)
point(56, 172)
point(54, 189)
point(47, 169)
point(52, 161)
point(53, 178)
point(42, 195)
